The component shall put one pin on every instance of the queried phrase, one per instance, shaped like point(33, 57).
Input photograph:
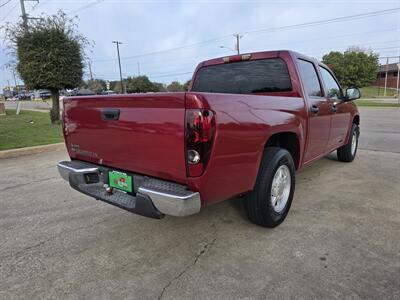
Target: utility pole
point(237, 45)
point(90, 71)
point(119, 62)
point(138, 68)
point(379, 79)
point(16, 88)
point(398, 74)
point(15, 80)
point(23, 12)
point(25, 25)
point(24, 16)
point(386, 74)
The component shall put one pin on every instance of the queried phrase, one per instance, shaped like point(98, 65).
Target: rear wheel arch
point(288, 141)
point(348, 151)
point(356, 120)
point(269, 202)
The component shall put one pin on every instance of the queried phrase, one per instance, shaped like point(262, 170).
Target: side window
point(310, 78)
point(333, 89)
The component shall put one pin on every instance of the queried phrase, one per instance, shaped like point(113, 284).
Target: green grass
point(370, 103)
point(29, 128)
point(376, 92)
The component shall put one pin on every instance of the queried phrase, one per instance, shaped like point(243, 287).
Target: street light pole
point(230, 49)
point(119, 62)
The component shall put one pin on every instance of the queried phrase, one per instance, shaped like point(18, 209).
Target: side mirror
point(352, 93)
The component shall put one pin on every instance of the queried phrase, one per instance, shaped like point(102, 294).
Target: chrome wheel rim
point(354, 143)
point(280, 188)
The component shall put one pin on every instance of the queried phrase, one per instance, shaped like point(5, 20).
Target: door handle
point(314, 109)
point(110, 114)
point(333, 109)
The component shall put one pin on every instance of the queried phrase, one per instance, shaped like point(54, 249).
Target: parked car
point(84, 92)
point(109, 92)
point(42, 94)
point(24, 96)
point(247, 123)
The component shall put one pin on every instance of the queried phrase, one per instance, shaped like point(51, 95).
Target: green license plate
point(120, 181)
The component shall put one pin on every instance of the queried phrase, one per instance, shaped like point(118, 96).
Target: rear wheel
point(268, 204)
point(348, 152)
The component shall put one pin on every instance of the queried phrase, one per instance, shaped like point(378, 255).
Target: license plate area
point(120, 180)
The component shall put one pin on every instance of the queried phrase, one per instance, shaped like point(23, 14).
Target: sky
point(165, 40)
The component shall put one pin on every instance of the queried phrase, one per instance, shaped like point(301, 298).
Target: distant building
point(391, 76)
point(11, 91)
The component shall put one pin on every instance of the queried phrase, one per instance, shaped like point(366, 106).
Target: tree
point(175, 86)
point(49, 54)
point(161, 87)
point(96, 85)
point(186, 85)
point(115, 85)
point(354, 67)
point(335, 60)
point(140, 84)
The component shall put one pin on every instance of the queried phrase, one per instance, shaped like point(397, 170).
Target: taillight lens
point(199, 137)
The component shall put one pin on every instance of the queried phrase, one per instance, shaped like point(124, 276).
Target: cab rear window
point(244, 77)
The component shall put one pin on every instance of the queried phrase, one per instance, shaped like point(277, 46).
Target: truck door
point(319, 120)
point(340, 114)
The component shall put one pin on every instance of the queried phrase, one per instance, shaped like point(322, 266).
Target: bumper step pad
point(139, 204)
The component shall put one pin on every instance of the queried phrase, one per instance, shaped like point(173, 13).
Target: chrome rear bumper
point(151, 197)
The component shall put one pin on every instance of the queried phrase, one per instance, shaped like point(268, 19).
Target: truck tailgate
point(142, 133)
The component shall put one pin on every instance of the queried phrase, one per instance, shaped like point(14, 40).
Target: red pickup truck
point(247, 123)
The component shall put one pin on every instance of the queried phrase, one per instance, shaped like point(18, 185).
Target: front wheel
point(348, 152)
point(268, 204)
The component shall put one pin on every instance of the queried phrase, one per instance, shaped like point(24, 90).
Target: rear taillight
point(199, 137)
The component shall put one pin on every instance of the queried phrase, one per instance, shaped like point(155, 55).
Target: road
point(380, 129)
point(341, 238)
point(383, 100)
point(29, 105)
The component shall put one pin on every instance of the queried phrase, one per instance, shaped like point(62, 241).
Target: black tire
point(259, 205)
point(345, 153)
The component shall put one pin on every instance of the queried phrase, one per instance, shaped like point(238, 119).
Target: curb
point(31, 150)
point(380, 107)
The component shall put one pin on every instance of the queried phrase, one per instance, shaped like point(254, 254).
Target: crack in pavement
point(196, 259)
point(378, 150)
point(18, 253)
point(27, 183)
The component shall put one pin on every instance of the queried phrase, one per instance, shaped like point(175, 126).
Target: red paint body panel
point(244, 124)
point(149, 137)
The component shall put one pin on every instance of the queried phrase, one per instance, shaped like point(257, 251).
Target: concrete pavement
point(341, 238)
point(380, 129)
